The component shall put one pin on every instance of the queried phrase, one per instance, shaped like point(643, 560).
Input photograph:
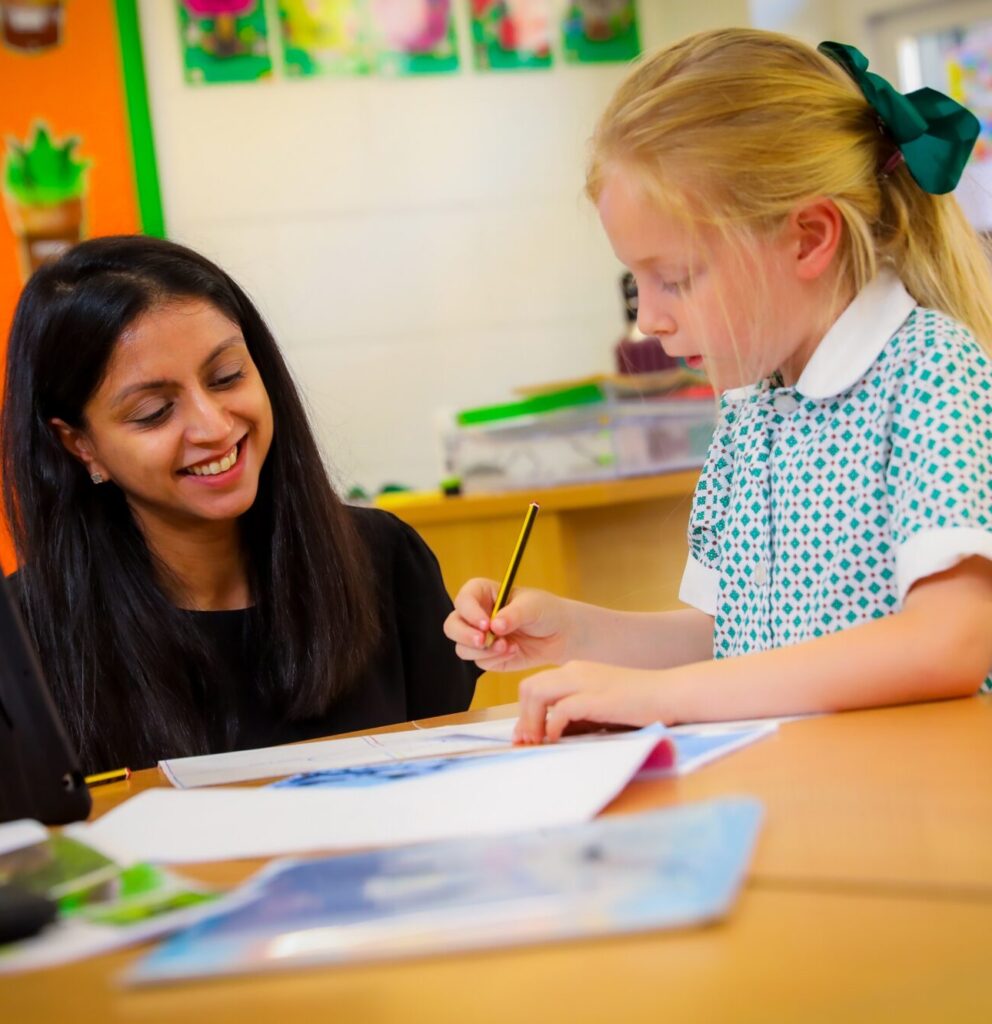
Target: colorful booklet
point(102, 905)
point(623, 873)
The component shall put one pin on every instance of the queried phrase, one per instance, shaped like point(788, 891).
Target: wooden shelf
point(421, 512)
point(619, 543)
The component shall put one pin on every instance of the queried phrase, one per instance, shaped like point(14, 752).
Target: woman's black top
point(413, 673)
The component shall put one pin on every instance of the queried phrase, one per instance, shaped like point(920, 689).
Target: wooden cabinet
point(621, 543)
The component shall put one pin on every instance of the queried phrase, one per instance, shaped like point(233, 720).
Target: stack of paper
point(524, 787)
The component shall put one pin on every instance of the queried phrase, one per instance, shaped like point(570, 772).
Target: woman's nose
point(209, 420)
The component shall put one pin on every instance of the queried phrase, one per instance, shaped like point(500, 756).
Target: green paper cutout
point(42, 172)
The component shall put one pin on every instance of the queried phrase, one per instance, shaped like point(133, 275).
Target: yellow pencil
point(120, 775)
point(511, 569)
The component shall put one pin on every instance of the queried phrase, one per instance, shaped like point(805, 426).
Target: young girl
point(188, 575)
point(775, 206)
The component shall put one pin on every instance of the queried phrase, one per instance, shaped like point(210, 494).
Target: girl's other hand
point(585, 691)
point(530, 630)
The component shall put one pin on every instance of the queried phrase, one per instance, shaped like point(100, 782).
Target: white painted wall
point(415, 244)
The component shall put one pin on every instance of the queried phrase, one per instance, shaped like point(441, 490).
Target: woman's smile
point(218, 471)
point(181, 423)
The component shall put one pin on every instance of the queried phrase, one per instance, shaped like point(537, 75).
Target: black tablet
point(39, 772)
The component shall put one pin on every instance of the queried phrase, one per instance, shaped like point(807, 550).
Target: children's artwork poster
point(511, 34)
point(413, 37)
point(324, 37)
point(969, 74)
point(357, 37)
point(224, 40)
point(596, 31)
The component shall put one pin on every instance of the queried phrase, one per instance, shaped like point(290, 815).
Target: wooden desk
point(896, 799)
point(620, 543)
point(867, 902)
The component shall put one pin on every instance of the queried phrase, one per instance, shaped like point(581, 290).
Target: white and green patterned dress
point(821, 504)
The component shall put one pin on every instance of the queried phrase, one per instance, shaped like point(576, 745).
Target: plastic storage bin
point(600, 440)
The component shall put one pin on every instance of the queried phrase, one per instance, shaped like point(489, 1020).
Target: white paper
point(731, 739)
point(524, 788)
point(732, 725)
point(495, 734)
point(15, 835)
point(272, 762)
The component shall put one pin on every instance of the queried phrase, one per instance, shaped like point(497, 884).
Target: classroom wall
point(415, 244)
point(852, 21)
point(56, 87)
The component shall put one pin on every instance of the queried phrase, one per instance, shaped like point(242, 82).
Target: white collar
point(854, 342)
point(857, 337)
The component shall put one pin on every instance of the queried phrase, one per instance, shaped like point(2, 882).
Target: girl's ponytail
point(937, 254)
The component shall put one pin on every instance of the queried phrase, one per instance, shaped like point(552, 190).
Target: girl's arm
point(643, 639)
point(938, 646)
point(539, 628)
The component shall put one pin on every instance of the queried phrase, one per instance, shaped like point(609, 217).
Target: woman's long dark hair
point(122, 661)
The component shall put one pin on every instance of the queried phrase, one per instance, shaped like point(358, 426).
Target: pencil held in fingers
point(511, 569)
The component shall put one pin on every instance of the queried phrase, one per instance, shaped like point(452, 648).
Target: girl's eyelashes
point(680, 282)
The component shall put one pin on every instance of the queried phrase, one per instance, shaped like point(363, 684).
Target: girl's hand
point(531, 629)
point(584, 691)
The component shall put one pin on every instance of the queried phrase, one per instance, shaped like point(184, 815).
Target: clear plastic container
point(594, 442)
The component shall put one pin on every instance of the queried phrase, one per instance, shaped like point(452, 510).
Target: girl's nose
point(653, 317)
point(656, 323)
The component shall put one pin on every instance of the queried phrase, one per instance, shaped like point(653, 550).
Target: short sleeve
point(940, 465)
point(701, 579)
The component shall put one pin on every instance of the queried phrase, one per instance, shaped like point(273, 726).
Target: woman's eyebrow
point(163, 382)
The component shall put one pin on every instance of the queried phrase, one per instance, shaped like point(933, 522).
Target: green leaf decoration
point(42, 171)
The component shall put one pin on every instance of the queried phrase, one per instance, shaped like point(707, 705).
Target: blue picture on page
point(621, 873)
point(689, 745)
point(383, 772)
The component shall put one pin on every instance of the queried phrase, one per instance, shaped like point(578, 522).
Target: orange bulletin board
point(73, 90)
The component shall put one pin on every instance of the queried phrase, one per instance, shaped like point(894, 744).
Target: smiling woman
point(182, 423)
point(187, 573)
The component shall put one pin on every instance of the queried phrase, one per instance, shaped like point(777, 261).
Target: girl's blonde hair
point(751, 124)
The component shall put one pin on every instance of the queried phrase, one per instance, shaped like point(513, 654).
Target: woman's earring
point(96, 478)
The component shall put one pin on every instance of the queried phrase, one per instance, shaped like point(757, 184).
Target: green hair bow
point(934, 133)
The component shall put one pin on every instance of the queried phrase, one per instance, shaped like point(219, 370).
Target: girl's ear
point(78, 445)
point(817, 227)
